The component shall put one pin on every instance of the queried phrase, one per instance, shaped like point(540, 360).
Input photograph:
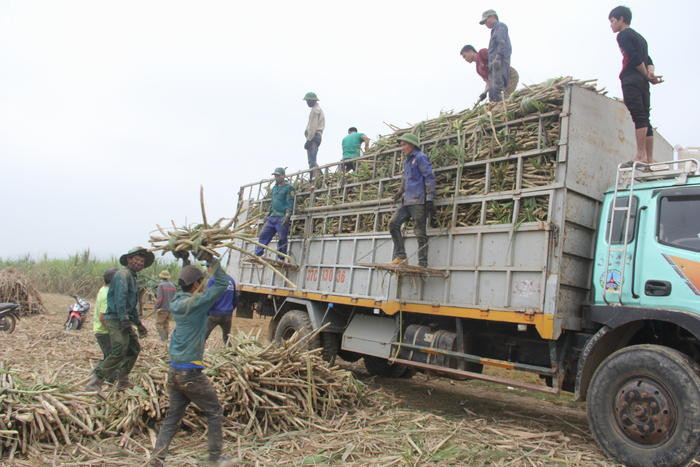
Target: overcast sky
point(113, 113)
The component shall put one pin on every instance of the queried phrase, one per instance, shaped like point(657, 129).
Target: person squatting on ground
point(222, 311)
point(164, 294)
point(351, 145)
point(314, 129)
point(416, 195)
point(186, 383)
point(470, 55)
point(498, 55)
point(278, 219)
point(98, 320)
point(636, 75)
point(121, 315)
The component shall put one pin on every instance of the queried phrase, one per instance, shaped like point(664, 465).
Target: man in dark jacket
point(416, 195)
point(222, 311)
point(186, 383)
point(636, 75)
point(499, 55)
point(121, 315)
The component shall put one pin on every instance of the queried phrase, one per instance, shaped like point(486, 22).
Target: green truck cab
point(642, 361)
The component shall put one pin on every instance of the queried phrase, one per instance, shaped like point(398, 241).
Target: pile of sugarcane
point(262, 389)
point(527, 121)
point(204, 237)
point(15, 287)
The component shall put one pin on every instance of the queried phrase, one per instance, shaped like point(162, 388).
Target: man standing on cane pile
point(164, 294)
point(121, 315)
point(186, 383)
point(498, 55)
point(416, 196)
point(314, 129)
point(470, 55)
point(278, 219)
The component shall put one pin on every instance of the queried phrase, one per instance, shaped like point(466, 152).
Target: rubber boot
point(95, 383)
point(124, 383)
point(219, 461)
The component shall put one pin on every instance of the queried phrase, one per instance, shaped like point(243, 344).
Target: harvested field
point(428, 422)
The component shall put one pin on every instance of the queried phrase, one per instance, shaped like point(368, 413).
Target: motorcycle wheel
point(7, 323)
point(72, 324)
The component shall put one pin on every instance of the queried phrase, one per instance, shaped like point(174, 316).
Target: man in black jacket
point(636, 75)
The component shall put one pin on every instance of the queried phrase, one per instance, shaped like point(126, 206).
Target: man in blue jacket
point(499, 55)
point(222, 311)
point(278, 219)
point(121, 315)
point(186, 383)
point(416, 195)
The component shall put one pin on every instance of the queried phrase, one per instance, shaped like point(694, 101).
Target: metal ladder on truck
point(625, 180)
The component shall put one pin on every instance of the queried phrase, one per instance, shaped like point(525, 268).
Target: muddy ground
point(425, 420)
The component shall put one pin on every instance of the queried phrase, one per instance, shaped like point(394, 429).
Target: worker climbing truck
point(545, 256)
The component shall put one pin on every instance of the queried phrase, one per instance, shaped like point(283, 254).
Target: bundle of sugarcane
point(206, 238)
point(262, 389)
point(15, 287)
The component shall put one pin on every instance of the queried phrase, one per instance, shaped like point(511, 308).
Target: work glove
point(307, 145)
point(286, 220)
point(143, 332)
point(430, 209)
point(397, 196)
point(482, 96)
point(125, 325)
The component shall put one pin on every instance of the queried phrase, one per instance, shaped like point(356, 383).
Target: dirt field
point(427, 420)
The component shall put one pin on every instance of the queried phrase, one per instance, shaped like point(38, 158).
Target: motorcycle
point(76, 313)
point(8, 316)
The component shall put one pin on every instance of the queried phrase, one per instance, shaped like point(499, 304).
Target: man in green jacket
point(121, 315)
point(186, 383)
point(280, 212)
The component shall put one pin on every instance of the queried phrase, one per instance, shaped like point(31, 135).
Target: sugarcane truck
point(599, 294)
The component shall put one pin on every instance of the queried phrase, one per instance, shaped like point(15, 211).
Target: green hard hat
point(148, 256)
point(278, 170)
point(310, 96)
point(410, 138)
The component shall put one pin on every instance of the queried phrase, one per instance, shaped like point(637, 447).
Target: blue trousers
point(273, 225)
point(312, 150)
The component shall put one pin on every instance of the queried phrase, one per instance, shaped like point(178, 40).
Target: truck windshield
point(679, 222)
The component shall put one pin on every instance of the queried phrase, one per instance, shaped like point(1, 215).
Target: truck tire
point(298, 321)
point(377, 366)
point(643, 406)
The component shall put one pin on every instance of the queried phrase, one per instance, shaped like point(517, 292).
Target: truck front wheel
point(643, 406)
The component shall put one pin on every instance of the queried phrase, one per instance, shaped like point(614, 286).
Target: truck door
point(668, 266)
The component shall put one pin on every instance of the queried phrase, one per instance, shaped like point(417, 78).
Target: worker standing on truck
point(470, 55)
point(164, 294)
point(637, 72)
point(498, 55)
point(416, 195)
point(351, 145)
point(186, 383)
point(278, 219)
point(121, 315)
point(221, 312)
point(314, 129)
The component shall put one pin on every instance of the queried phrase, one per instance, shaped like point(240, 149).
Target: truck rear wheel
point(295, 321)
point(643, 406)
point(377, 366)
